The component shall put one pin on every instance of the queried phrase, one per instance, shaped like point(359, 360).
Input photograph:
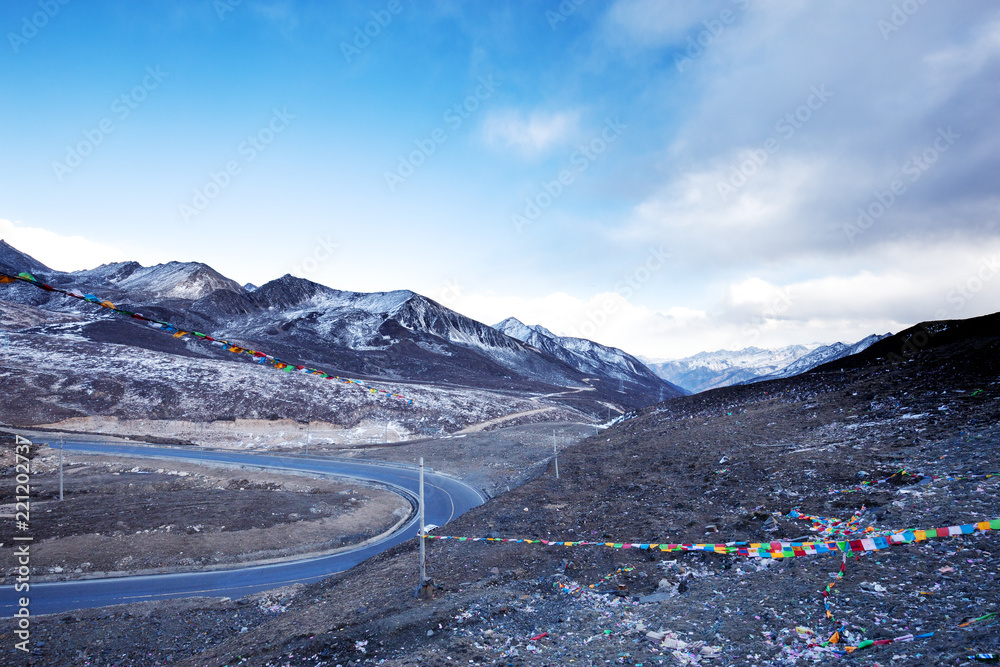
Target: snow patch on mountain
point(173, 280)
point(587, 356)
point(709, 370)
point(820, 356)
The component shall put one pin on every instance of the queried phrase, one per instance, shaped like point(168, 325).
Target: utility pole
point(60, 468)
point(307, 438)
point(385, 438)
point(555, 453)
point(423, 555)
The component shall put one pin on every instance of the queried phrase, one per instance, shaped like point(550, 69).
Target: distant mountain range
point(709, 370)
point(384, 336)
point(723, 368)
point(820, 356)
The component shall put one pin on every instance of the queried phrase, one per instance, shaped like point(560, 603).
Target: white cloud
point(752, 291)
point(935, 75)
point(722, 215)
point(903, 283)
point(63, 253)
point(962, 60)
point(887, 288)
point(509, 129)
point(654, 22)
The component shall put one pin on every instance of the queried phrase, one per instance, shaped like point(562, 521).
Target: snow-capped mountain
point(587, 356)
point(708, 370)
point(722, 368)
point(173, 280)
point(820, 356)
point(399, 335)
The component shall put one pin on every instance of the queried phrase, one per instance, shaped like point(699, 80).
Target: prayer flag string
point(259, 357)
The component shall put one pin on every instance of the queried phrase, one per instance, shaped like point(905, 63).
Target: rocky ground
point(125, 517)
point(726, 465)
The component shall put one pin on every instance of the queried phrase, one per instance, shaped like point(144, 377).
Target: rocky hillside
point(589, 357)
point(724, 465)
point(65, 348)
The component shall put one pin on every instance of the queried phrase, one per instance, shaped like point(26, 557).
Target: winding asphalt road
point(445, 498)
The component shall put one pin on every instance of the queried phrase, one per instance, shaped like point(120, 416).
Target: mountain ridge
point(821, 355)
point(722, 368)
point(397, 335)
point(585, 355)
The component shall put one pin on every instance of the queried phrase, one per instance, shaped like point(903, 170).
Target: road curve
point(445, 498)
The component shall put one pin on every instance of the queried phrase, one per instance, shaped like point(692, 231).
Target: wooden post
point(307, 438)
point(60, 468)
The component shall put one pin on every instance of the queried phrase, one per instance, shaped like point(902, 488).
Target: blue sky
point(661, 176)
